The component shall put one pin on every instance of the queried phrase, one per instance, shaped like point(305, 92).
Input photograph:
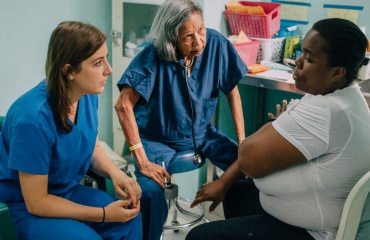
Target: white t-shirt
point(333, 133)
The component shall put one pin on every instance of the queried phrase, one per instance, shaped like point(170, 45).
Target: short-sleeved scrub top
point(32, 142)
point(164, 111)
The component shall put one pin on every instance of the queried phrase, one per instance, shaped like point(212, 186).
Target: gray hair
point(171, 15)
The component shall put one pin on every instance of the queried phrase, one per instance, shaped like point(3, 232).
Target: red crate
point(248, 51)
point(254, 25)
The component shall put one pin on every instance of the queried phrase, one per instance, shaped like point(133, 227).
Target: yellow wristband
point(136, 146)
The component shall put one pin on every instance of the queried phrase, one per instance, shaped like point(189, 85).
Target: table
point(263, 83)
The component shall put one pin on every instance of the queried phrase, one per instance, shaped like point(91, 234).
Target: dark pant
point(246, 219)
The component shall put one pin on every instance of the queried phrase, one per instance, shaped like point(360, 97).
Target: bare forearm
point(124, 109)
point(231, 175)
point(236, 109)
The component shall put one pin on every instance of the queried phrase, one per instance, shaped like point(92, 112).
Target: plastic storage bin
point(271, 49)
point(248, 51)
point(254, 25)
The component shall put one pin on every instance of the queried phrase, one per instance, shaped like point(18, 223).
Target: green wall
point(251, 98)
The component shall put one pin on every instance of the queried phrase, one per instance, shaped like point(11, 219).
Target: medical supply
point(257, 68)
point(291, 45)
point(278, 66)
point(289, 62)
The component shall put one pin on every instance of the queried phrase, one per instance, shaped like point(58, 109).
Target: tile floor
point(181, 234)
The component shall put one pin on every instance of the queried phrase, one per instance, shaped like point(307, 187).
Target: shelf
point(153, 2)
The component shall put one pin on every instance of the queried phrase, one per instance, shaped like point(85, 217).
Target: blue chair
point(7, 231)
point(180, 163)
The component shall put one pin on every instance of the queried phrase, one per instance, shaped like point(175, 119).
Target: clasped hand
point(127, 209)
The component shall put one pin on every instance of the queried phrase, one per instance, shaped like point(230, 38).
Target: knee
point(136, 228)
point(196, 233)
point(151, 189)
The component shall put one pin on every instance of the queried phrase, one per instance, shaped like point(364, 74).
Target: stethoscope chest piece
point(197, 159)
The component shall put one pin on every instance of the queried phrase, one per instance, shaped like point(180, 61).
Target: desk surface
point(269, 83)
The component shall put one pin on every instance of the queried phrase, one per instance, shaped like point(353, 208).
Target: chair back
point(7, 231)
point(353, 209)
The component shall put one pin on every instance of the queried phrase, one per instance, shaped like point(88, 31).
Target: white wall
point(25, 30)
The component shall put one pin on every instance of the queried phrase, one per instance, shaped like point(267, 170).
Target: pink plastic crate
point(254, 25)
point(248, 51)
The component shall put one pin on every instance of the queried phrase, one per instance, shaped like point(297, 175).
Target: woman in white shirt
point(305, 163)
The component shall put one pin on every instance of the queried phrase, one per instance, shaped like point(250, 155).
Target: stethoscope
point(197, 159)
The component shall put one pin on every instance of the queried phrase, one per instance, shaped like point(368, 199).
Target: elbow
point(248, 169)
point(121, 108)
point(33, 208)
point(248, 160)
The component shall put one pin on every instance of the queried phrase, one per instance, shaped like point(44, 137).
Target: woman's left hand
point(279, 110)
point(127, 188)
point(213, 191)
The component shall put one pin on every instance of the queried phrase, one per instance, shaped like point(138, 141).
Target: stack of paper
point(277, 75)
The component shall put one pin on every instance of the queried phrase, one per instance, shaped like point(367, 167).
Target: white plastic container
point(271, 49)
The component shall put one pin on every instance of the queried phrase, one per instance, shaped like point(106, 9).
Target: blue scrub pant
point(28, 226)
point(213, 144)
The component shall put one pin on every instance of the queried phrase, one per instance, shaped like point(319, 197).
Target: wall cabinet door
point(130, 21)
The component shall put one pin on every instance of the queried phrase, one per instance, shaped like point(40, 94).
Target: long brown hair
point(70, 43)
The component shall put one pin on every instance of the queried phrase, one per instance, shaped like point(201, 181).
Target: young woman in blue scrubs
point(155, 110)
point(48, 141)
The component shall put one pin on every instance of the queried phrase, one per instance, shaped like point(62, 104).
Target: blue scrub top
point(164, 113)
point(32, 142)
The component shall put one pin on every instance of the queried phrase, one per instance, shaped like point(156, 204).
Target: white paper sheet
point(277, 75)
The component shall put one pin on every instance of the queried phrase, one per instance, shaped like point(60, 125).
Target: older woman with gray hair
point(168, 95)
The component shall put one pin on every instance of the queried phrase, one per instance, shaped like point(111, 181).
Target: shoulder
point(215, 36)
point(31, 108)
point(146, 59)
point(148, 53)
point(32, 102)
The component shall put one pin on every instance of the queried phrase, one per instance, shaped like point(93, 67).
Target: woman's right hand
point(155, 172)
point(121, 211)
